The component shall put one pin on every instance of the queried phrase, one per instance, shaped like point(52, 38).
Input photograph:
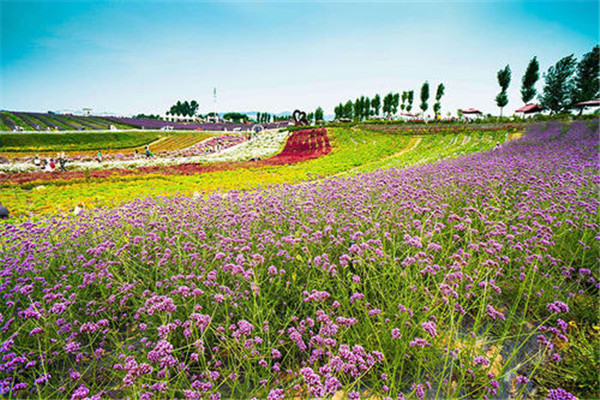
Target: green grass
point(436, 147)
point(17, 121)
point(19, 142)
point(65, 122)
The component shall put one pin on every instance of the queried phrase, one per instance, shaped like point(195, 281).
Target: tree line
point(265, 118)
point(364, 108)
point(567, 83)
point(147, 116)
point(184, 109)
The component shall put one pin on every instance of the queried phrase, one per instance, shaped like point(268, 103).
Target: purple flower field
point(475, 277)
point(147, 123)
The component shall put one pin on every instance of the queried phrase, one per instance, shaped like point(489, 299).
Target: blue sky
point(142, 56)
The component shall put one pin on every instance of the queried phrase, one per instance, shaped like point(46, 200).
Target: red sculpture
point(300, 118)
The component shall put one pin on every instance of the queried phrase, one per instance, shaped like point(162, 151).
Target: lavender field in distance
point(147, 123)
point(475, 277)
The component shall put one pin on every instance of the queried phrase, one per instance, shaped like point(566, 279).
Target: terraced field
point(434, 147)
point(32, 143)
point(178, 142)
point(352, 151)
point(30, 121)
point(89, 143)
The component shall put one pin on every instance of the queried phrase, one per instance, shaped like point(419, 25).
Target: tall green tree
point(388, 102)
point(348, 109)
point(558, 89)
point(311, 118)
point(358, 106)
point(504, 81)
point(194, 106)
point(404, 97)
point(438, 96)
point(236, 117)
point(410, 97)
point(367, 108)
point(532, 74)
point(386, 105)
point(395, 102)
point(424, 97)
point(376, 104)
point(319, 114)
point(587, 80)
point(338, 111)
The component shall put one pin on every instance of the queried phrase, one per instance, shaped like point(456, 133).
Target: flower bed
point(447, 280)
point(351, 150)
point(426, 129)
point(303, 145)
point(227, 152)
point(166, 151)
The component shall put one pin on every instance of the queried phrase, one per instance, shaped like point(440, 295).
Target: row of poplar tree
point(568, 82)
point(364, 107)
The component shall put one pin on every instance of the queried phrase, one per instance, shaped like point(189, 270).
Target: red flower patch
point(301, 146)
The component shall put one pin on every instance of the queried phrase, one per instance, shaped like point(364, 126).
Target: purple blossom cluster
point(369, 285)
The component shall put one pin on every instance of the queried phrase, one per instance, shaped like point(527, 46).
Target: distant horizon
point(134, 57)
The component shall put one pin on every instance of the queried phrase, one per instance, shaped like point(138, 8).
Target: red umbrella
point(471, 111)
point(530, 108)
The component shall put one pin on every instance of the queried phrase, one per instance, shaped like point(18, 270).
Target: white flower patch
point(262, 146)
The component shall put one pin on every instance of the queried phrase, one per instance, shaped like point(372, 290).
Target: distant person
point(3, 212)
point(147, 151)
point(136, 154)
point(52, 165)
point(36, 161)
point(497, 146)
point(62, 161)
point(99, 156)
point(79, 208)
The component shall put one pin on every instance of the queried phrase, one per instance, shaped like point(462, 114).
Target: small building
point(407, 116)
point(528, 109)
point(180, 118)
point(471, 112)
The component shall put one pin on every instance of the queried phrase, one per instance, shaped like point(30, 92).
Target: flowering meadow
point(471, 277)
point(350, 150)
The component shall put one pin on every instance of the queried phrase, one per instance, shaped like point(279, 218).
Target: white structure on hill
point(180, 118)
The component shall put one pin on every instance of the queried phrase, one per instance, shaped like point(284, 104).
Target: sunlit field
point(369, 264)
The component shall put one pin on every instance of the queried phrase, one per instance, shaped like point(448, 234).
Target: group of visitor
point(50, 164)
point(136, 154)
point(147, 152)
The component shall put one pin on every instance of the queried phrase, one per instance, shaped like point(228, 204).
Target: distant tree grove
point(184, 109)
point(364, 107)
point(566, 83)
